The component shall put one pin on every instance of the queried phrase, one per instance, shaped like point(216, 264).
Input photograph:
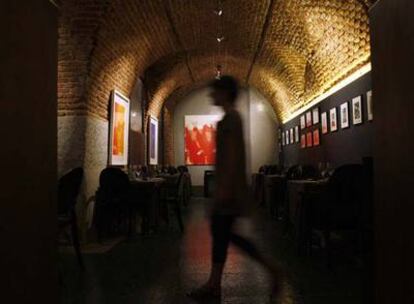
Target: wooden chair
point(173, 195)
point(68, 191)
point(340, 206)
point(112, 207)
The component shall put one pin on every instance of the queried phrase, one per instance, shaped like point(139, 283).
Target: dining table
point(147, 192)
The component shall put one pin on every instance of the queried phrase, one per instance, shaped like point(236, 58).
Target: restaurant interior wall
point(28, 216)
point(136, 136)
point(343, 146)
point(260, 128)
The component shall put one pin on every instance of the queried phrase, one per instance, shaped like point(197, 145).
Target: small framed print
point(369, 106)
point(316, 140)
point(283, 138)
point(287, 137)
point(292, 139)
point(297, 134)
point(308, 119)
point(333, 120)
point(324, 121)
point(309, 139)
point(357, 110)
point(302, 122)
point(344, 115)
point(315, 115)
point(303, 141)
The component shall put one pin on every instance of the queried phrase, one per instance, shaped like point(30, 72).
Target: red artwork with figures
point(200, 139)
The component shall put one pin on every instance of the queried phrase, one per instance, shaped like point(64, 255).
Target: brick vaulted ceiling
point(290, 50)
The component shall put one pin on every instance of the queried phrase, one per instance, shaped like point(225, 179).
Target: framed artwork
point(287, 137)
point(324, 120)
point(308, 119)
point(199, 139)
point(118, 130)
point(153, 141)
point(303, 141)
point(283, 138)
point(316, 137)
point(297, 134)
point(292, 136)
point(369, 106)
point(315, 114)
point(344, 115)
point(302, 122)
point(357, 110)
point(333, 120)
point(309, 139)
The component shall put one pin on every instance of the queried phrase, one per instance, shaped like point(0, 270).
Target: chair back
point(345, 192)
point(293, 172)
point(113, 184)
point(309, 171)
point(68, 190)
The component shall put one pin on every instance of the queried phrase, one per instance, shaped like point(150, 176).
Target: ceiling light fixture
point(218, 12)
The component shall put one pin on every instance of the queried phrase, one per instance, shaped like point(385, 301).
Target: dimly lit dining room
point(207, 151)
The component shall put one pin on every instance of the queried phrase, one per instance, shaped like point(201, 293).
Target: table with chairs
point(310, 202)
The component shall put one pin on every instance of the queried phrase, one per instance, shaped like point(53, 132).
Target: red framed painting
point(199, 139)
point(309, 141)
point(316, 137)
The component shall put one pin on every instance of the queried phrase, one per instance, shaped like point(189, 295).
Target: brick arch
point(291, 50)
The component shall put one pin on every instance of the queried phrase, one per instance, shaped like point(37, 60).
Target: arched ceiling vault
point(290, 50)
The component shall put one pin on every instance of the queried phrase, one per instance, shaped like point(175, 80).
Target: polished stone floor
point(162, 268)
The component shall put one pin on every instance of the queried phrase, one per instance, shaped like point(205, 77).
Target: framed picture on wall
point(287, 137)
point(297, 134)
point(357, 110)
point(283, 138)
point(369, 106)
point(309, 139)
point(118, 130)
point(333, 120)
point(303, 141)
point(308, 119)
point(324, 121)
point(153, 141)
point(199, 139)
point(316, 137)
point(315, 114)
point(292, 138)
point(302, 122)
point(344, 115)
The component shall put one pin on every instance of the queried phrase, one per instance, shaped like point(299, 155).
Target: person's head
point(224, 91)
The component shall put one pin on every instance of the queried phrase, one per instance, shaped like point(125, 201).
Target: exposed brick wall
point(168, 120)
point(79, 21)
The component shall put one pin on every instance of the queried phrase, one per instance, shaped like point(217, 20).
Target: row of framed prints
point(119, 131)
point(307, 139)
point(312, 137)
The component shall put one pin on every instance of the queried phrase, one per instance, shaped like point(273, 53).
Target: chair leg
point(177, 210)
point(76, 244)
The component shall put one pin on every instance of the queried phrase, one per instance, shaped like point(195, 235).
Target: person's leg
point(220, 232)
point(221, 226)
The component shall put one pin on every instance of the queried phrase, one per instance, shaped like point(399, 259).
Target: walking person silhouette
point(231, 194)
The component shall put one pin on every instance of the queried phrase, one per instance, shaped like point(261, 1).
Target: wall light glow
point(340, 85)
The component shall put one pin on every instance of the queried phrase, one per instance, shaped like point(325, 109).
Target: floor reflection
point(164, 267)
